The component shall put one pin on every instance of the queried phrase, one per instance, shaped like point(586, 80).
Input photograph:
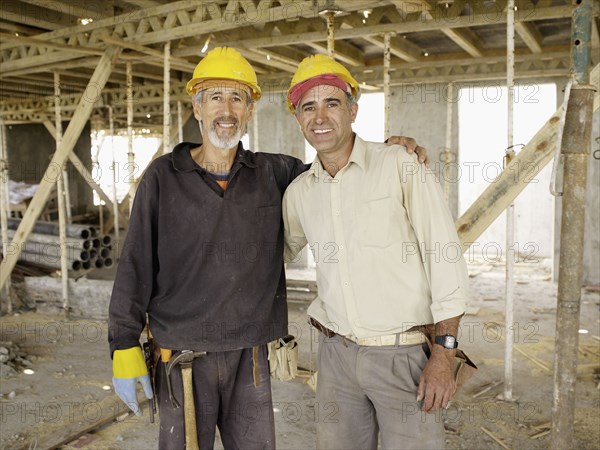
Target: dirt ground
point(70, 387)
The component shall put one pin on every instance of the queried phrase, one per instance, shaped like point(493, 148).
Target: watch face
point(450, 342)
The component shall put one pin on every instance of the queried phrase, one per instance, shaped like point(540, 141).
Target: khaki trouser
point(364, 392)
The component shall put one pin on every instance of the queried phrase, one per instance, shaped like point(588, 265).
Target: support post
point(80, 117)
point(62, 207)
point(386, 84)
point(330, 18)
point(130, 155)
point(510, 211)
point(4, 211)
point(448, 147)
point(575, 152)
point(115, 202)
point(167, 98)
point(179, 121)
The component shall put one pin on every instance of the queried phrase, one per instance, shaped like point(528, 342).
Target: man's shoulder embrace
point(390, 152)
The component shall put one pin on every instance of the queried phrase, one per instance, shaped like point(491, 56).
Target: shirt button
point(341, 247)
point(346, 283)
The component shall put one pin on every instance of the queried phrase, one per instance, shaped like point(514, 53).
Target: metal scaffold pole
point(575, 147)
point(510, 211)
point(4, 212)
point(448, 149)
point(130, 154)
point(62, 204)
point(386, 84)
point(166, 98)
point(115, 202)
point(179, 121)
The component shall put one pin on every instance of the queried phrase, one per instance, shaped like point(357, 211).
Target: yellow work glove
point(129, 368)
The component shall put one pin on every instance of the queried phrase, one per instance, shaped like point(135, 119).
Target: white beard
point(223, 143)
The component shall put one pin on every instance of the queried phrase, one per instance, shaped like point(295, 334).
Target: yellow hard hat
point(224, 63)
point(326, 70)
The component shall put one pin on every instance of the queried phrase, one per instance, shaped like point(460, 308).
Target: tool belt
point(283, 358)
point(397, 339)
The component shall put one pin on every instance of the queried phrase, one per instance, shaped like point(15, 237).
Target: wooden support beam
point(503, 190)
point(530, 35)
point(398, 47)
point(84, 10)
point(82, 114)
point(179, 63)
point(35, 16)
point(262, 59)
point(5, 37)
point(466, 39)
point(52, 66)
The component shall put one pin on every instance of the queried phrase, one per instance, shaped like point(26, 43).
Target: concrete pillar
point(30, 148)
point(275, 130)
point(419, 111)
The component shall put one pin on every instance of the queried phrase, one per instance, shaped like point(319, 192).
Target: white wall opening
point(482, 144)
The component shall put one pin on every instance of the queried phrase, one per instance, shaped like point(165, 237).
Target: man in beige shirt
point(388, 258)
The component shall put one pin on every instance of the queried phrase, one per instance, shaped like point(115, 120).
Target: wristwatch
point(447, 341)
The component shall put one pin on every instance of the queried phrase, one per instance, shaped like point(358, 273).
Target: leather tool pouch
point(283, 358)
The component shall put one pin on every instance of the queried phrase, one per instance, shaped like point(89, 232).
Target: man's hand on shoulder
point(411, 147)
point(437, 385)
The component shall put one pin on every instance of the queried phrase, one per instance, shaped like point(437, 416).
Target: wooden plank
point(80, 117)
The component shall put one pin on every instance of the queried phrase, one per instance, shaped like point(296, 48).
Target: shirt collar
point(183, 161)
point(357, 156)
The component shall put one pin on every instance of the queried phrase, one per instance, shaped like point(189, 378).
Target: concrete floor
point(72, 367)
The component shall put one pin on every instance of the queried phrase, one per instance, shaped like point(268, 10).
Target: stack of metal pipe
point(86, 248)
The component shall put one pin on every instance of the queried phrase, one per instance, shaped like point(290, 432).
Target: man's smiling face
point(326, 118)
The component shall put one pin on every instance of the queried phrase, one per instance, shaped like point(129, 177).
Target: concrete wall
point(274, 130)
point(30, 148)
point(420, 111)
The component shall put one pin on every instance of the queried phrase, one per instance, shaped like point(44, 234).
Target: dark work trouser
point(225, 397)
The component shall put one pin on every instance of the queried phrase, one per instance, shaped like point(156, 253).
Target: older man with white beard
point(203, 259)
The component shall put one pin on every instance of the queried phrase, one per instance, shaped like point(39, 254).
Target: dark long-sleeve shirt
point(205, 264)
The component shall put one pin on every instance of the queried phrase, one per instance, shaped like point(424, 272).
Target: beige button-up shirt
point(387, 253)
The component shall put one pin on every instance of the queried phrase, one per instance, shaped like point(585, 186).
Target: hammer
point(185, 358)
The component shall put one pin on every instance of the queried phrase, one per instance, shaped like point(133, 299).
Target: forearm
point(448, 326)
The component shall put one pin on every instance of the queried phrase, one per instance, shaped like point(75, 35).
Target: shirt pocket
point(374, 221)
